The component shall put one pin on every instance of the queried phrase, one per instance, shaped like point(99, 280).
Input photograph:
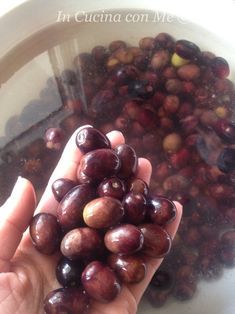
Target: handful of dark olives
point(104, 226)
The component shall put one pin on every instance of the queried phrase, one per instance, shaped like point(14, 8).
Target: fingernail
point(114, 132)
point(84, 126)
point(18, 186)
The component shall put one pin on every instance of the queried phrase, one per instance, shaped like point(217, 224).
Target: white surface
point(217, 17)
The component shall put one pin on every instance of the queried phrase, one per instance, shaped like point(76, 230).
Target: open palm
point(27, 276)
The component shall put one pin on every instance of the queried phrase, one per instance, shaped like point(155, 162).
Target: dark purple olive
point(140, 88)
point(68, 273)
point(228, 238)
point(124, 239)
point(156, 297)
point(66, 301)
point(184, 290)
point(129, 161)
point(61, 187)
point(137, 185)
point(186, 49)
point(157, 242)
point(99, 164)
point(89, 139)
point(105, 105)
point(162, 279)
point(113, 187)
point(103, 212)
point(129, 268)
point(54, 138)
point(84, 179)
point(226, 160)
point(209, 267)
point(100, 282)
point(227, 256)
point(220, 67)
point(161, 210)
point(69, 210)
point(81, 242)
point(135, 208)
point(69, 77)
point(123, 75)
point(45, 233)
point(226, 130)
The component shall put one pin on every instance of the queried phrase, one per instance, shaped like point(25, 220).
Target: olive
point(124, 239)
point(129, 268)
point(89, 139)
point(81, 242)
point(45, 233)
point(129, 161)
point(100, 282)
point(157, 241)
point(103, 212)
point(66, 301)
point(69, 210)
point(99, 164)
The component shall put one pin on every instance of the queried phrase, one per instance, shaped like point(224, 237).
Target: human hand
point(26, 276)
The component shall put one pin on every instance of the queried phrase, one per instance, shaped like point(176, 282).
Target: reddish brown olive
point(113, 187)
point(162, 211)
point(81, 242)
point(61, 187)
point(129, 268)
point(103, 212)
point(45, 233)
point(89, 139)
point(66, 300)
point(100, 282)
point(135, 207)
point(69, 210)
point(128, 159)
point(124, 239)
point(157, 242)
point(137, 185)
point(93, 166)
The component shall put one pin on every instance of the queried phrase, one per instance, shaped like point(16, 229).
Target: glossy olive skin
point(45, 233)
point(69, 210)
point(161, 210)
point(113, 187)
point(157, 241)
point(103, 212)
point(137, 185)
point(100, 282)
point(135, 208)
point(61, 187)
point(124, 239)
point(99, 164)
point(89, 139)
point(83, 179)
point(68, 273)
point(129, 268)
point(81, 242)
point(66, 301)
point(186, 49)
point(129, 161)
